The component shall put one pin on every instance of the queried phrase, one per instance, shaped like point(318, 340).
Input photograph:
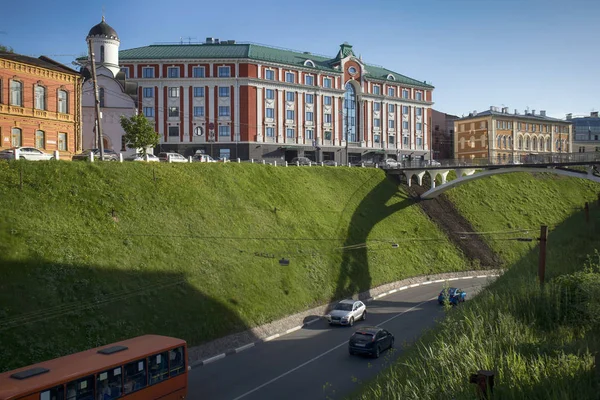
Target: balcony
point(29, 112)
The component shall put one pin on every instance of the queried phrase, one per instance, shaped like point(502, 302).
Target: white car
point(26, 153)
point(201, 157)
point(141, 157)
point(434, 163)
point(346, 312)
point(390, 163)
point(175, 157)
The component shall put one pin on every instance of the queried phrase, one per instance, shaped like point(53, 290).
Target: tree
point(6, 48)
point(139, 132)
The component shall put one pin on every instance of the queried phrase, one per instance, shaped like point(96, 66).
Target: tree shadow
point(354, 276)
point(48, 309)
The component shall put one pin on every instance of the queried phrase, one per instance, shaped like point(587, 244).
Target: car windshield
point(363, 335)
point(344, 307)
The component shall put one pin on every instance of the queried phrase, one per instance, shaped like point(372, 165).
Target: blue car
point(454, 296)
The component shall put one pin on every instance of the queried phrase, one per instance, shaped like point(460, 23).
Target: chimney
point(532, 112)
point(216, 41)
point(543, 113)
point(569, 116)
point(504, 110)
point(594, 114)
point(516, 112)
point(492, 108)
point(210, 40)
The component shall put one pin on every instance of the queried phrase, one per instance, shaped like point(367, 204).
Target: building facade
point(40, 104)
point(586, 132)
point(500, 135)
point(442, 142)
point(257, 102)
point(116, 94)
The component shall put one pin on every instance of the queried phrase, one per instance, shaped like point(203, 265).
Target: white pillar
point(190, 159)
point(92, 156)
point(120, 157)
point(56, 155)
point(17, 154)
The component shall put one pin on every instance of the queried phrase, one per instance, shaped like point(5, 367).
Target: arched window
point(40, 97)
point(101, 54)
point(350, 113)
point(391, 77)
point(557, 145)
point(40, 140)
point(101, 96)
point(472, 142)
point(16, 93)
point(499, 142)
point(309, 63)
point(16, 137)
point(534, 143)
point(505, 141)
point(63, 102)
point(548, 145)
point(520, 143)
point(541, 144)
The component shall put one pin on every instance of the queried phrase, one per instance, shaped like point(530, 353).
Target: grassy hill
point(94, 253)
point(540, 342)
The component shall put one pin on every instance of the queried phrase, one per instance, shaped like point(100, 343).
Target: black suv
point(109, 155)
point(370, 340)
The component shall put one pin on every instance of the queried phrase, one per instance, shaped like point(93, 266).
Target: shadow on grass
point(49, 309)
point(354, 274)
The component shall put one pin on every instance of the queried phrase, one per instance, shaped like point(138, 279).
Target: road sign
point(211, 125)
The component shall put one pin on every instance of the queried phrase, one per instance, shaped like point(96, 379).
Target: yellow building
point(503, 136)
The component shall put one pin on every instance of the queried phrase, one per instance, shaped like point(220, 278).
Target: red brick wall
point(248, 113)
point(248, 71)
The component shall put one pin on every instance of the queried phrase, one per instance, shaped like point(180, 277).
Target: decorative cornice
point(39, 71)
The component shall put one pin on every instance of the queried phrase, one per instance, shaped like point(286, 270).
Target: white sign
point(103, 376)
point(51, 141)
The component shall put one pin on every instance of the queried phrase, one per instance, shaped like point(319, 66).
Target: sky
point(536, 54)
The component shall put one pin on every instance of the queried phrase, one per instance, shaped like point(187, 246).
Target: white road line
point(275, 336)
point(249, 345)
point(215, 358)
point(320, 355)
point(414, 285)
point(392, 291)
point(482, 276)
point(467, 277)
point(427, 283)
point(438, 281)
point(293, 329)
point(403, 288)
point(453, 279)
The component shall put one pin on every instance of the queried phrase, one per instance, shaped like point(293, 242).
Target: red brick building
point(40, 102)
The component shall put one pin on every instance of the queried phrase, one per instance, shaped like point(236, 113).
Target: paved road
point(313, 362)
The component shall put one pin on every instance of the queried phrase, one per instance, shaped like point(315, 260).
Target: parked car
point(223, 159)
point(435, 163)
point(330, 163)
point(26, 153)
point(142, 157)
point(109, 155)
point(201, 157)
point(300, 161)
point(370, 340)
point(453, 295)
point(346, 312)
point(390, 163)
point(175, 157)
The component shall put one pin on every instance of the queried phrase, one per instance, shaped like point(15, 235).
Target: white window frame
point(221, 71)
point(224, 131)
point(199, 68)
point(270, 72)
point(170, 70)
point(174, 92)
point(289, 74)
point(145, 69)
point(198, 115)
point(224, 91)
point(327, 82)
point(148, 90)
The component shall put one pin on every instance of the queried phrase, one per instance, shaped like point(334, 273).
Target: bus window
point(81, 389)
point(176, 361)
point(158, 367)
point(135, 376)
point(57, 393)
point(108, 385)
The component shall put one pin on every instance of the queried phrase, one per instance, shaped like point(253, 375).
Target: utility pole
point(542, 261)
point(97, 101)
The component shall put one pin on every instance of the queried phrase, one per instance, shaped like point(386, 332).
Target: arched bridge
point(466, 171)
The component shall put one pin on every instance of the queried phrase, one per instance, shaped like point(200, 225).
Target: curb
point(298, 327)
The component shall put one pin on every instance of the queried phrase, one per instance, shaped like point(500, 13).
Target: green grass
point(192, 250)
point(540, 342)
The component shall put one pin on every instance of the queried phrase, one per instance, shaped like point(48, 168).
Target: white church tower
point(117, 96)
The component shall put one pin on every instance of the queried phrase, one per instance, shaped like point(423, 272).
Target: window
point(270, 74)
point(404, 93)
point(270, 94)
point(224, 72)
point(199, 111)
point(40, 97)
point(224, 91)
point(327, 100)
point(504, 142)
point(174, 92)
point(309, 116)
point(309, 80)
point(270, 132)
point(173, 72)
point(16, 93)
point(270, 112)
point(149, 112)
point(532, 127)
point(309, 134)
point(148, 72)
point(327, 135)
point(173, 131)
point(198, 72)
point(419, 111)
point(290, 96)
point(309, 98)
point(63, 102)
point(519, 125)
point(391, 92)
point(391, 139)
point(499, 145)
point(81, 389)
point(289, 77)
point(56, 393)
point(16, 137)
point(223, 111)
point(376, 123)
point(101, 96)
point(376, 106)
point(327, 118)
point(405, 141)
point(101, 54)
point(419, 96)
point(224, 131)
point(391, 108)
point(158, 364)
point(198, 91)
point(419, 126)
point(419, 143)
point(125, 70)
point(135, 376)
point(62, 141)
point(109, 383)
point(174, 111)
point(520, 143)
point(404, 109)
point(289, 114)
point(377, 138)
point(40, 140)
point(327, 82)
point(509, 125)
point(391, 124)
point(148, 92)
point(376, 89)
point(290, 133)
point(404, 124)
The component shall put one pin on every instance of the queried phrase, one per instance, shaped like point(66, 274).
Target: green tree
point(139, 132)
point(6, 48)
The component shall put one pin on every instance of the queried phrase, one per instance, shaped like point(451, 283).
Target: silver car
point(141, 157)
point(390, 163)
point(26, 153)
point(346, 312)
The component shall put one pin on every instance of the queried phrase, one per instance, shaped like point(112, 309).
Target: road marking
point(453, 279)
point(427, 283)
point(439, 281)
point(403, 288)
point(249, 345)
point(414, 285)
point(392, 291)
point(293, 329)
point(215, 358)
point(321, 355)
point(275, 336)
point(312, 321)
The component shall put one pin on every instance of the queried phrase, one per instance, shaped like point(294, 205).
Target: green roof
point(259, 53)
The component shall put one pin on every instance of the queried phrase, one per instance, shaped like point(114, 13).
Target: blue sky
point(540, 54)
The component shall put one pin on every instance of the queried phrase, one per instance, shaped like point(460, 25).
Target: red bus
point(145, 367)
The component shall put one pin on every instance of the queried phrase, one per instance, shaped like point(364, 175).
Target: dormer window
point(309, 63)
point(391, 77)
point(352, 70)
